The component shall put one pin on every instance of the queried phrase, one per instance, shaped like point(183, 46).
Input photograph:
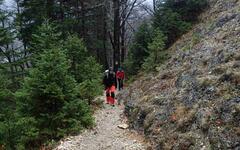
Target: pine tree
point(15, 130)
point(6, 109)
point(49, 94)
point(91, 85)
point(170, 23)
point(84, 68)
point(77, 54)
point(44, 38)
point(85, 18)
point(157, 52)
point(32, 15)
point(174, 18)
point(139, 49)
point(187, 9)
point(7, 53)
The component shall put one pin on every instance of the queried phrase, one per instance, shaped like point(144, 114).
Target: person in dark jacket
point(109, 81)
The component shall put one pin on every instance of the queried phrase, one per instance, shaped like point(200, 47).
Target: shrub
point(157, 52)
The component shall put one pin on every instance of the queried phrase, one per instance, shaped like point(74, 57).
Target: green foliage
point(47, 89)
point(15, 130)
point(139, 49)
point(193, 7)
point(5, 34)
point(77, 54)
point(90, 69)
point(33, 13)
point(174, 18)
point(50, 93)
point(130, 66)
point(70, 16)
point(170, 23)
point(75, 116)
point(6, 107)
point(158, 42)
point(6, 43)
point(157, 54)
point(195, 40)
point(187, 9)
point(90, 73)
point(171, 20)
point(46, 36)
point(84, 68)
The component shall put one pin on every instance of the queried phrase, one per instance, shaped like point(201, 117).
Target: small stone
point(123, 126)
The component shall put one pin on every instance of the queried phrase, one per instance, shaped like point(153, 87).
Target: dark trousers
point(120, 84)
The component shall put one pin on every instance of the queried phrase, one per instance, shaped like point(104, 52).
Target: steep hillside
point(194, 100)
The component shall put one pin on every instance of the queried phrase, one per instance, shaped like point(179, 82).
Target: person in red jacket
point(120, 77)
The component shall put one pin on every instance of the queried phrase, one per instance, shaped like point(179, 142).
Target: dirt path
point(106, 135)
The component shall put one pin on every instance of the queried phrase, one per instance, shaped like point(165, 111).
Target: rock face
point(194, 100)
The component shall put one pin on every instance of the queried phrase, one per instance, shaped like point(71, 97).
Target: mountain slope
point(194, 100)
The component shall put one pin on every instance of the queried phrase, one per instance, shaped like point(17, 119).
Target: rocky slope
point(194, 100)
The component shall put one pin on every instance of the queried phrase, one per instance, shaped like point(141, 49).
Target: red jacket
point(120, 75)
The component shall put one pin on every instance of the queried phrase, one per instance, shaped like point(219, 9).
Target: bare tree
point(123, 10)
point(154, 5)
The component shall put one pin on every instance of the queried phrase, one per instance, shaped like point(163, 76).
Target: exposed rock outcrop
point(194, 100)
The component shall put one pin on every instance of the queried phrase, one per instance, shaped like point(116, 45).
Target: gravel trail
point(106, 135)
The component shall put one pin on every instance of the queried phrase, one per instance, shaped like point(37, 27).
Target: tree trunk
point(82, 19)
point(50, 5)
point(154, 6)
point(105, 40)
point(116, 38)
point(123, 30)
point(61, 11)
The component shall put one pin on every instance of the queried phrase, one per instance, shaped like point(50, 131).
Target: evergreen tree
point(44, 38)
point(157, 52)
point(91, 85)
point(139, 49)
point(187, 9)
point(84, 18)
point(7, 53)
point(32, 15)
point(170, 23)
point(77, 54)
point(6, 111)
point(84, 68)
point(49, 94)
point(174, 18)
point(15, 131)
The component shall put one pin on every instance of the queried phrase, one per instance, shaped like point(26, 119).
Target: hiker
point(105, 79)
point(120, 77)
point(109, 83)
